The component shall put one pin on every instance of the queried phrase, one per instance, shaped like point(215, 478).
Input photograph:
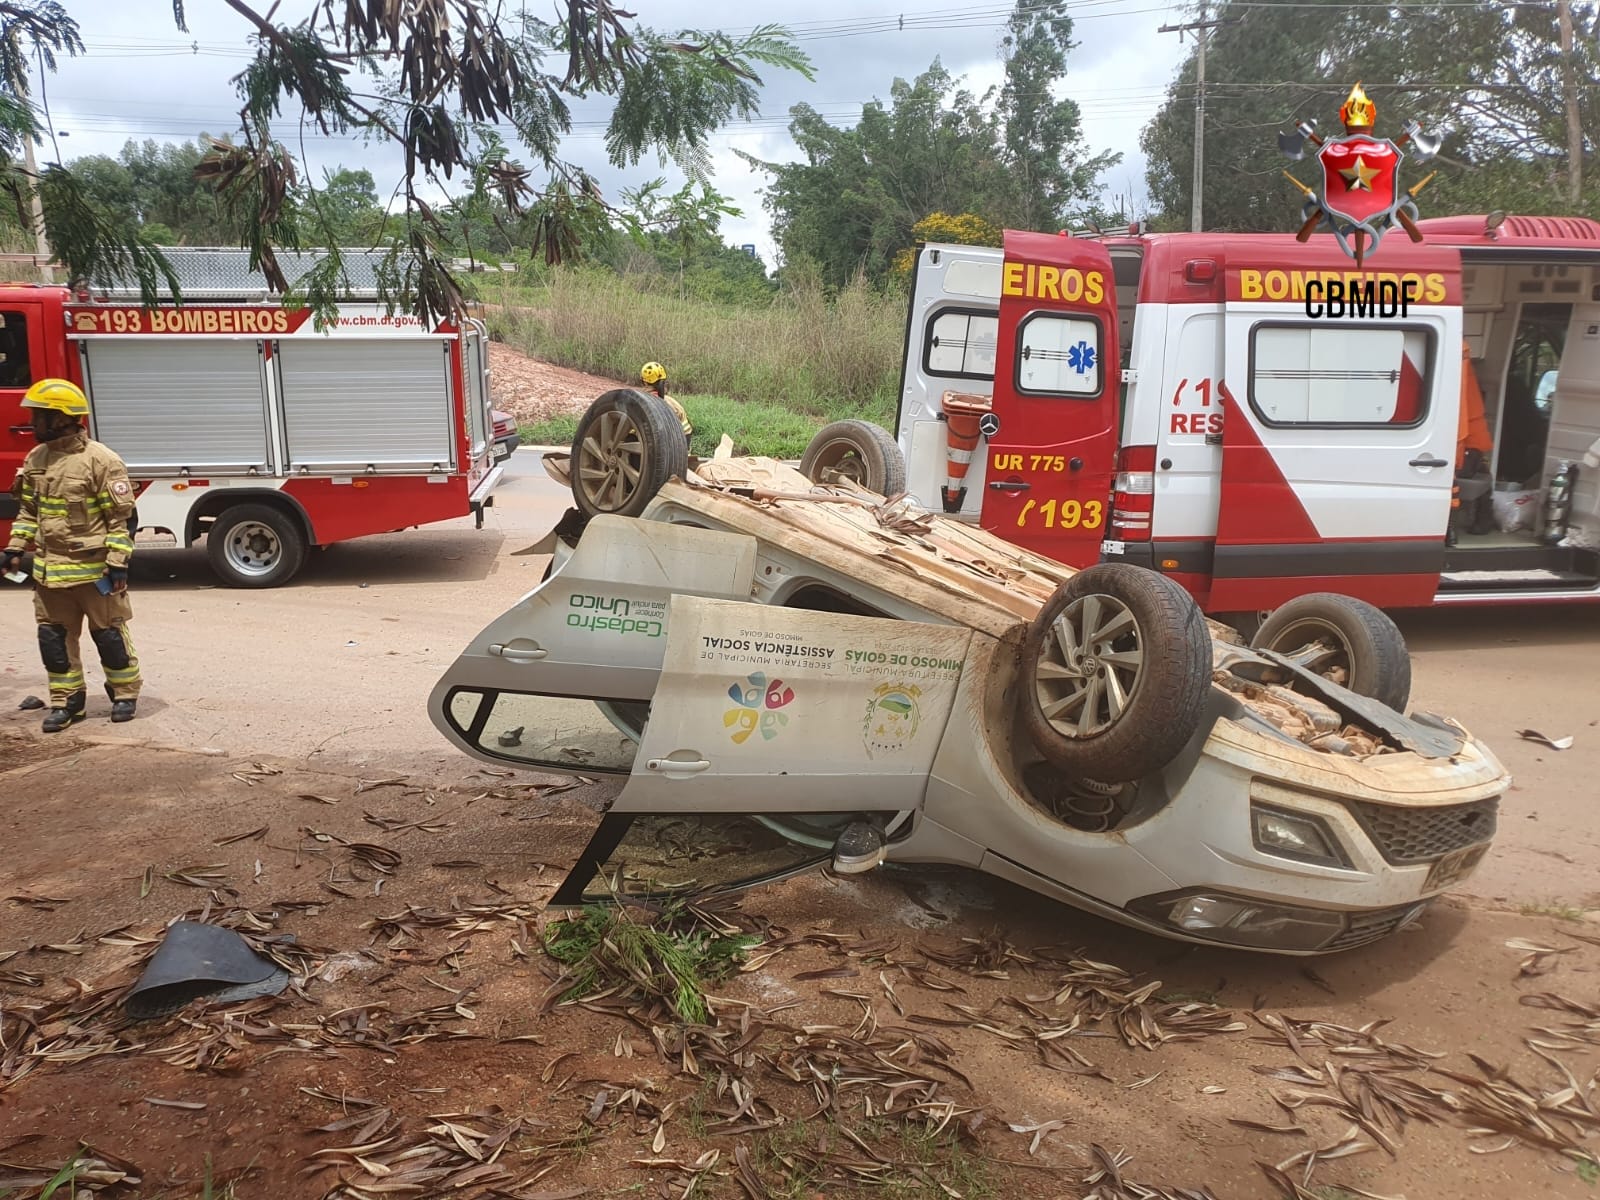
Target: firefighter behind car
point(654, 376)
point(74, 499)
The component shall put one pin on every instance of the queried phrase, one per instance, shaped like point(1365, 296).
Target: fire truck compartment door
point(22, 360)
point(1338, 453)
point(349, 404)
point(1050, 439)
point(480, 420)
point(164, 407)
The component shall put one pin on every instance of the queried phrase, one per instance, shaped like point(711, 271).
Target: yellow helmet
point(58, 395)
point(652, 373)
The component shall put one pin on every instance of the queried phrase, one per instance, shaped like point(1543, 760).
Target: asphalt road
point(337, 667)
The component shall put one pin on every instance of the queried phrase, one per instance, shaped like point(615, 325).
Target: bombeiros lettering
point(1280, 284)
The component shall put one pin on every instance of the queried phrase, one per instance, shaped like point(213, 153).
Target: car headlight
point(1256, 923)
point(1299, 836)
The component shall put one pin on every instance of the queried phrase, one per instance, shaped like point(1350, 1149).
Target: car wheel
point(1115, 669)
point(628, 445)
point(255, 546)
point(1345, 640)
point(858, 452)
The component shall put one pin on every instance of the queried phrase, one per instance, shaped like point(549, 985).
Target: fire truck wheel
point(857, 451)
point(1115, 670)
point(255, 546)
point(1343, 639)
point(628, 445)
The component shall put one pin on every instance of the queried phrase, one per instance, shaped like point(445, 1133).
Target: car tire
point(628, 445)
point(1343, 639)
point(1121, 623)
point(256, 546)
point(859, 451)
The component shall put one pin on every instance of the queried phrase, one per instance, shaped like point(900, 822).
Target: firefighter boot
point(58, 719)
point(121, 710)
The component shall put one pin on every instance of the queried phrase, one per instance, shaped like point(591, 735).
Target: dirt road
point(336, 670)
point(1008, 1021)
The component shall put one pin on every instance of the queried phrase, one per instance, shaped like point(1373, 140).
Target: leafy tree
point(152, 185)
point(1052, 173)
point(1489, 77)
point(964, 229)
point(1014, 157)
point(433, 79)
point(348, 204)
point(852, 203)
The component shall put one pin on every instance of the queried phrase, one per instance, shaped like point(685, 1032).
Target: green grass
point(668, 956)
point(1589, 1172)
point(756, 426)
point(946, 1165)
point(803, 355)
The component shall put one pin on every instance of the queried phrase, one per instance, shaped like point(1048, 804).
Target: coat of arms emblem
point(1360, 197)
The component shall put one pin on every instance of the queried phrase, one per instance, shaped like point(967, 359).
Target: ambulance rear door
point(1051, 435)
point(1339, 427)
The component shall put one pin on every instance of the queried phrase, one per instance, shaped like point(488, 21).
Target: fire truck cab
point(243, 425)
point(1260, 419)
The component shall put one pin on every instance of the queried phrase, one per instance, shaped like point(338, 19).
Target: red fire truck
point(1260, 419)
point(243, 425)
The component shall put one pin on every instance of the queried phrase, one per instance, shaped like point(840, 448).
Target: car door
point(563, 678)
point(1052, 429)
point(771, 729)
point(1338, 449)
point(22, 363)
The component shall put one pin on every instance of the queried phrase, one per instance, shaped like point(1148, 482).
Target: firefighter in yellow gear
point(654, 376)
point(74, 499)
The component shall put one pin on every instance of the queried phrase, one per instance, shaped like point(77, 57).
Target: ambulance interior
point(1532, 333)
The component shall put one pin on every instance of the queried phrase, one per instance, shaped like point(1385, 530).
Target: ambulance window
point(961, 343)
point(1059, 355)
point(1344, 375)
point(15, 370)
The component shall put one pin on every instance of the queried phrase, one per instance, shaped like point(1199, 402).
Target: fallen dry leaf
point(1533, 735)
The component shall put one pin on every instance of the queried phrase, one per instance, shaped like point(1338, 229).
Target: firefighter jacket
point(73, 499)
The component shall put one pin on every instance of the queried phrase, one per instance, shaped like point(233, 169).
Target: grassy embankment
point(769, 376)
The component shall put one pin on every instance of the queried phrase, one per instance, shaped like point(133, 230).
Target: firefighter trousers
point(61, 613)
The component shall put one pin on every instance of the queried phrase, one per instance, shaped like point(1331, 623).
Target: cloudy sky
point(143, 78)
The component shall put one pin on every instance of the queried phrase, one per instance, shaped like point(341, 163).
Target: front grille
point(1361, 928)
point(1415, 835)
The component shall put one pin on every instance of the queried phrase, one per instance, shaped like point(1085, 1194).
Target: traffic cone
point(961, 417)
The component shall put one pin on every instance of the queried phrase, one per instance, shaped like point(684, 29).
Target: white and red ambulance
point(244, 425)
point(1259, 419)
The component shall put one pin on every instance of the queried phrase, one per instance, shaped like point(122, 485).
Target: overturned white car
point(791, 676)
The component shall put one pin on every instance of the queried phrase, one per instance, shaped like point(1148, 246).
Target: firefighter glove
point(118, 577)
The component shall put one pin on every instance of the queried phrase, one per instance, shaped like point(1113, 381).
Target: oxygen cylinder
point(1558, 505)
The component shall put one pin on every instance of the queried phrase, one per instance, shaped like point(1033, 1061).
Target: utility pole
point(1199, 29)
point(41, 241)
point(1569, 90)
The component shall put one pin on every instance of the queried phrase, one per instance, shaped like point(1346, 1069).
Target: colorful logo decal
point(1081, 357)
point(1361, 197)
point(756, 707)
point(892, 718)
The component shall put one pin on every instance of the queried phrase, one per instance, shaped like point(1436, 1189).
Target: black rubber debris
point(197, 960)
